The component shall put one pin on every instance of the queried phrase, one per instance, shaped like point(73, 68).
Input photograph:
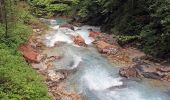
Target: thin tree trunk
point(6, 19)
point(1, 11)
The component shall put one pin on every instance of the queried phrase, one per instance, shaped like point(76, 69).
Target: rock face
point(79, 41)
point(94, 34)
point(30, 54)
point(147, 70)
point(106, 48)
point(67, 26)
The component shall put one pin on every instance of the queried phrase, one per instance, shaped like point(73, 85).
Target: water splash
point(99, 80)
point(56, 36)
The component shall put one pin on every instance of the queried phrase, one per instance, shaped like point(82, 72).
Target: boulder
point(29, 53)
point(67, 26)
point(55, 76)
point(147, 70)
point(94, 34)
point(129, 72)
point(79, 40)
point(106, 48)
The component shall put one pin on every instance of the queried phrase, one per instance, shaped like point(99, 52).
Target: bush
point(48, 8)
point(17, 80)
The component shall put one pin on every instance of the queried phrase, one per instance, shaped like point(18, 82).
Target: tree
point(7, 16)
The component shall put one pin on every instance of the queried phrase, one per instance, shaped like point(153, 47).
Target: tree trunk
point(6, 19)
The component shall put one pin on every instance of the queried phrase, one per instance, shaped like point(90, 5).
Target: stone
point(106, 48)
point(166, 78)
point(147, 70)
point(79, 40)
point(152, 75)
point(41, 57)
point(67, 26)
point(36, 30)
point(55, 76)
point(128, 72)
point(53, 58)
point(94, 34)
point(29, 53)
point(164, 69)
point(58, 57)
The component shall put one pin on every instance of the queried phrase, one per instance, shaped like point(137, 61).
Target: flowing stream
point(92, 75)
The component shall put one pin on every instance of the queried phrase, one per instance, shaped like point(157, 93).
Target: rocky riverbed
point(73, 62)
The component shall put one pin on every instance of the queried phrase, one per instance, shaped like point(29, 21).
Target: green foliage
point(148, 20)
point(17, 80)
point(48, 7)
point(122, 39)
point(57, 7)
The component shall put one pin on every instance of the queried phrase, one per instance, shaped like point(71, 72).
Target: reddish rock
point(79, 40)
point(29, 53)
point(67, 26)
point(107, 48)
point(102, 45)
point(94, 34)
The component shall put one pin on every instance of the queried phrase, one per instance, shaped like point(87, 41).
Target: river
point(93, 76)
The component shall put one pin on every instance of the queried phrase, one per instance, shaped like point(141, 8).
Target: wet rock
point(106, 48)
point(79, 41)
point(94, 34)
point(152, 75)
point(128, 72)
point(67, 26)
point(30, 54)
point(147, 70)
